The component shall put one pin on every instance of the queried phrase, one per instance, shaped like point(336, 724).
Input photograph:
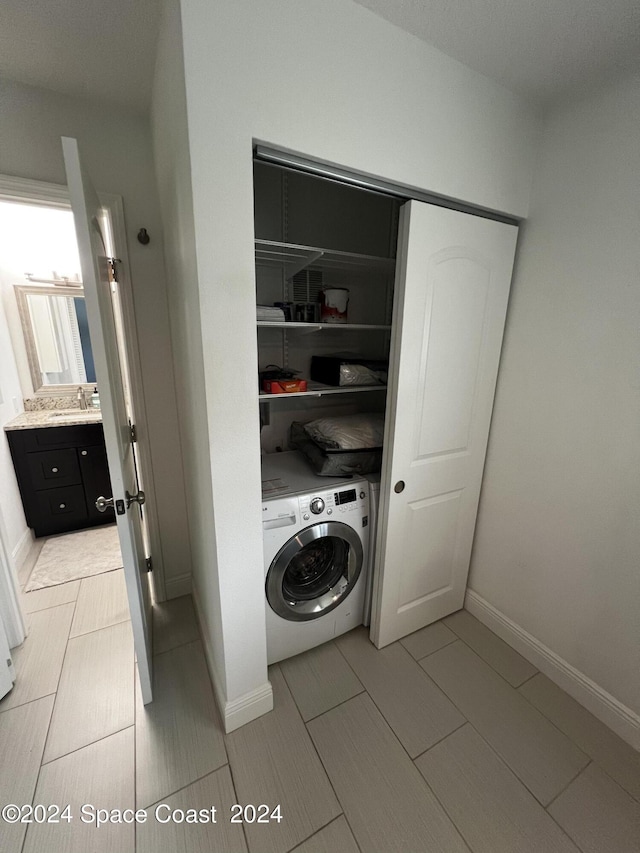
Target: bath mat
point(72, 556)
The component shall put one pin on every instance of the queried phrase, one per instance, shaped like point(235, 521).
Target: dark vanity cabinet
point(61, 472)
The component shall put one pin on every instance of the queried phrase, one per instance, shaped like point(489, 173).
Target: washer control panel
point(335, 502)
point(316, 505)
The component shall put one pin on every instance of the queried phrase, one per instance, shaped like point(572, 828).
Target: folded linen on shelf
point(269, 314)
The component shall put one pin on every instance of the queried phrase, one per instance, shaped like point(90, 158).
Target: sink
point(90, 416)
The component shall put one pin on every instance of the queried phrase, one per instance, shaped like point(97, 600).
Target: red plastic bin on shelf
point(283, 386)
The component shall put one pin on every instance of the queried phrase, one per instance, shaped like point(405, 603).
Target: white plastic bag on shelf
point(350, 432)
point(361, 374)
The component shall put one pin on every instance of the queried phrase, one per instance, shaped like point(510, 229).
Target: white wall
point(116, 149)
point(331, 80)
point(173, 171)
point(558, 537)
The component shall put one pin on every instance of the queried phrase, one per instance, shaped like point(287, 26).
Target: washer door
point(314, 571)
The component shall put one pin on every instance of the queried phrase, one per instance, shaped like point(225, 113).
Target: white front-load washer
point(316, 550)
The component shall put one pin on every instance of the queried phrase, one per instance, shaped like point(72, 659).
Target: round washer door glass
point(314, 571)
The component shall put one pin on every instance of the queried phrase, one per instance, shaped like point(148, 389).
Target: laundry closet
point(416, 347)
point(325, 263)
point(313, 234)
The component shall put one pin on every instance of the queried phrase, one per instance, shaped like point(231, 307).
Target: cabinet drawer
point(50, 438)
point(60, 509)
point(51, 469)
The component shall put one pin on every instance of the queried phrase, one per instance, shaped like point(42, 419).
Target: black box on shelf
point(344, 370)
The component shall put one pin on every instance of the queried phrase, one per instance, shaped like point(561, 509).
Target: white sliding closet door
point(452, 288)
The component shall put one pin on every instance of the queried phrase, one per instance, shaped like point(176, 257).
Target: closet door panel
point(452, 288)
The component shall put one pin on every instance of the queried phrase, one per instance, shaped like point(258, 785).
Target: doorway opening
point(47, 370)
point(56, 444)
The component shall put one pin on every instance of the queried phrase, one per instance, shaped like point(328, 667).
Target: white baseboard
point(622, 720)
point(244, 709)
point(22, 549)
point(248, 707)
point(180, 585)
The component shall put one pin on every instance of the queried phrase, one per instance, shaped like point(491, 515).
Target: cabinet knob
point(399, 487)
point(54, 470)
point(63, 506)
point(83, 453)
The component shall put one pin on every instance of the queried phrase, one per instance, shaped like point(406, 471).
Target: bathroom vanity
point(61, 467)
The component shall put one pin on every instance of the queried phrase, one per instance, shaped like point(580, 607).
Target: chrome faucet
point(81, 398)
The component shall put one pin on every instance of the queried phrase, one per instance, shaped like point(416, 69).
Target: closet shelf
point(294, 258)
point(317, 389)
point(319, 327)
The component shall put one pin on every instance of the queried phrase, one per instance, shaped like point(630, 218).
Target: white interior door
point(452, 289)
point(117, 433)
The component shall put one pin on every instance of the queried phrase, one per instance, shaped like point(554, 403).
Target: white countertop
point(54, 418)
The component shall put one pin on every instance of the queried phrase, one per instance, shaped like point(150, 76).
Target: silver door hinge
point(113, 270)
point(134, 433)
point(149, 564)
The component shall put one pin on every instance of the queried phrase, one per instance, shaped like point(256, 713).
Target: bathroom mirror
point(56, 336)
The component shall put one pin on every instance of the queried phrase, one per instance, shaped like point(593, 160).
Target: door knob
point(103, 503)
point(399, 487)
point(138, 498)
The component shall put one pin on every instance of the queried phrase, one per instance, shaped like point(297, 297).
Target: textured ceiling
point(541, 49)
point(96, 48)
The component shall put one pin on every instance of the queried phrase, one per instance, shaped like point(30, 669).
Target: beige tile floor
point(447, 741)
